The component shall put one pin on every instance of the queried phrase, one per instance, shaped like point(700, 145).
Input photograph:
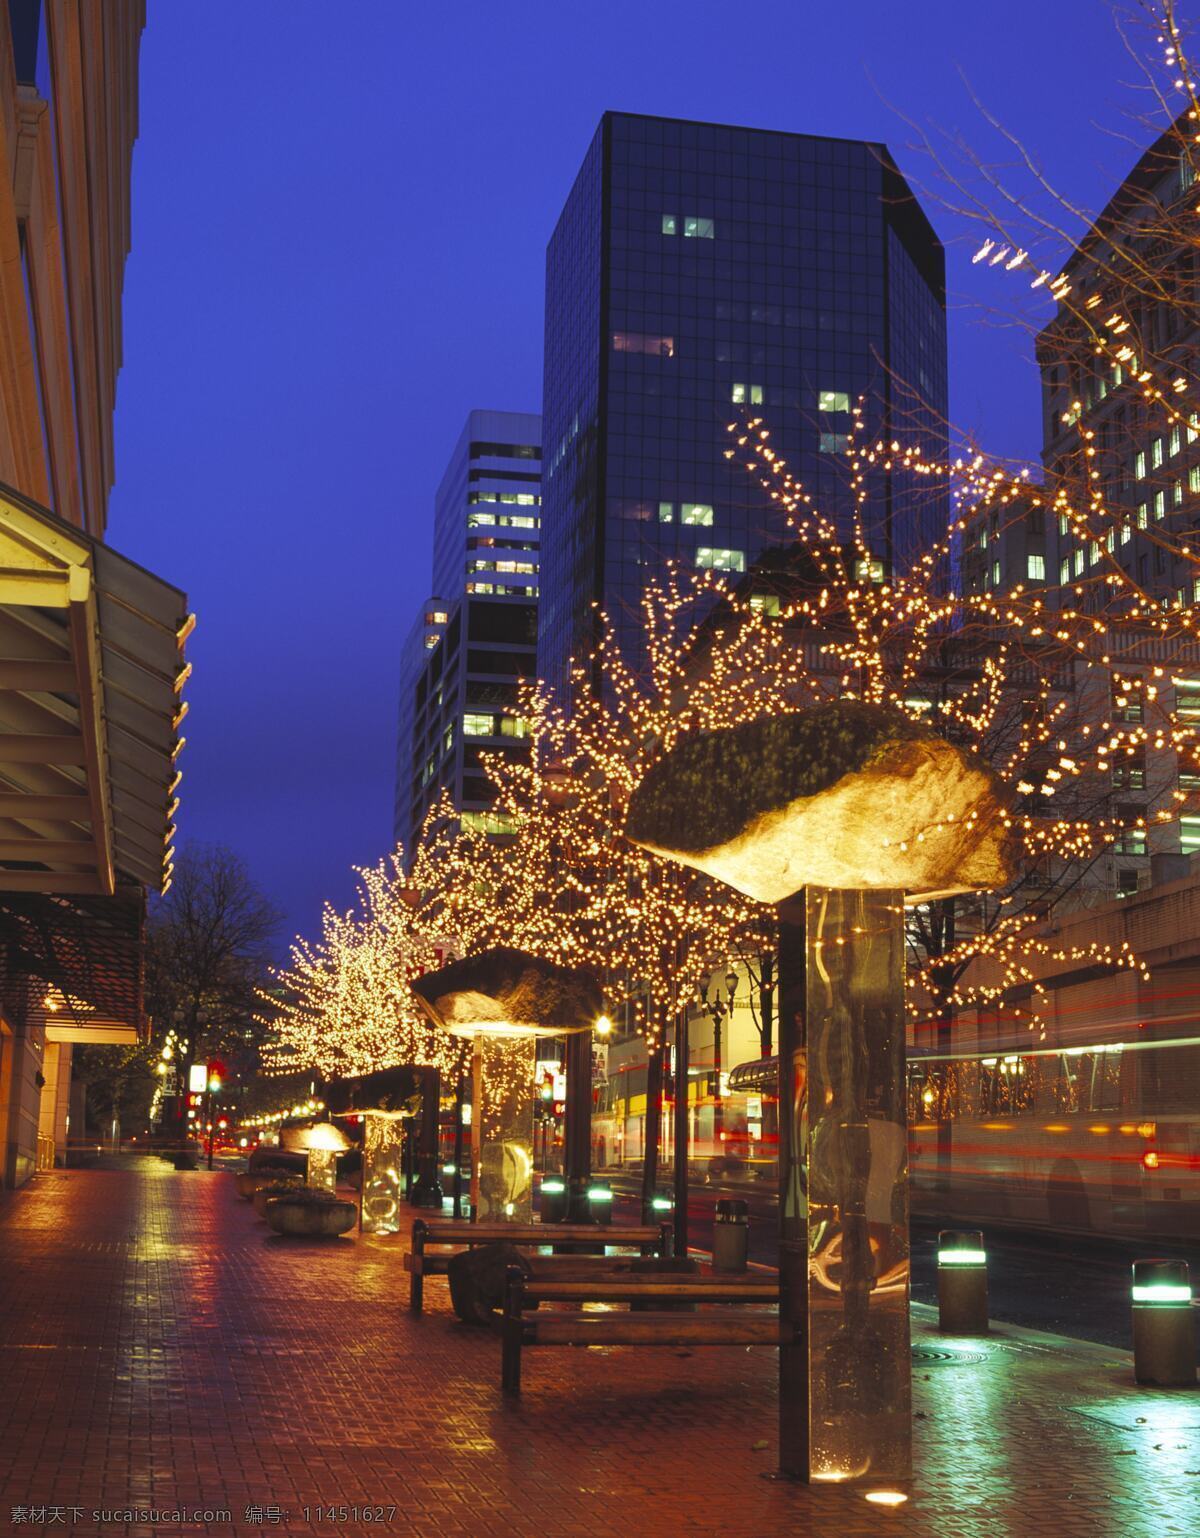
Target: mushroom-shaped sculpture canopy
point(507, 992)
point(323, 1137)
point(849, 794)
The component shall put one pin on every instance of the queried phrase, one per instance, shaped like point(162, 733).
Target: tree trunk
point(577, 1132)
point(766, 1002)
point(654, 1084)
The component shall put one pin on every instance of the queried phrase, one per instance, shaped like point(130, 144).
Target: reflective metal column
point(844, 1365)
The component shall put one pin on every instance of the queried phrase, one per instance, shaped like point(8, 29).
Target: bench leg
point(416, 1288)
point(513, 1330)
point(510, 1368)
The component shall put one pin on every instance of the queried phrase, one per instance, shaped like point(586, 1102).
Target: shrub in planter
point(306, 1213)
point(281, 1185)
point(249, 1181)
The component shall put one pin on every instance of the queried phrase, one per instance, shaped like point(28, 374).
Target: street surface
point(170, 1367)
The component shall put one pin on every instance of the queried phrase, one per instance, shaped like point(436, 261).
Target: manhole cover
point(928, 1356)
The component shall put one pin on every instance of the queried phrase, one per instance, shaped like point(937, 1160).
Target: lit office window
point(478, 725)
point(1139, 466)
point(670, 224)
point(1176, 440)
point(699, 513)
point(868, 571)
point(1160, 504)
point(1035, 568)
point(720, 560)
point(636, 341)
point(666, 512)
point(1156, 453)
point(488, 822)
point(746, 394)
point(835, 443)
point(1142, 516)
point(696, 228)
point(1064, 571)
point(833, 400)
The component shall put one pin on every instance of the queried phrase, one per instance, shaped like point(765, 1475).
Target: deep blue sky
point(340, 215)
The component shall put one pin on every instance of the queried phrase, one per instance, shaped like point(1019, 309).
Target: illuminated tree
point(343, 1005)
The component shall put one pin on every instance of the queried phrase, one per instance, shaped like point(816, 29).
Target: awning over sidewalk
point(91, 674)
point(75, 965)
point(761, 1074)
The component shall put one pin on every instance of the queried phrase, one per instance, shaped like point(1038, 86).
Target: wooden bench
point(451, 1238)
point(723, 1327)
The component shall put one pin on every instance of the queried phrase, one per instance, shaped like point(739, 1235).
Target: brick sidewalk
point(158, 1347)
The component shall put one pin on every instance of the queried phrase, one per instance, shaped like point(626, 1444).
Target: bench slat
point(538, 1233)
point(627, 1289)
point(723, 1329)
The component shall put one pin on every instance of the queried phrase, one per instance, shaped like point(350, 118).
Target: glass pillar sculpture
point(502, 1000)
point(322, 1169)
point(832, 815)
point(382, 1153)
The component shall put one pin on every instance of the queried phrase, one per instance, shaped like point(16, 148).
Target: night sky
point(340, 215)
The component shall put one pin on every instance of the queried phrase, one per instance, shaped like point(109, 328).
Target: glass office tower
point(698, 271)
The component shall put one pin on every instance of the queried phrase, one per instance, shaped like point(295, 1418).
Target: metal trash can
point(1164, 1325)
point(731, 1235)
point(552, 1199)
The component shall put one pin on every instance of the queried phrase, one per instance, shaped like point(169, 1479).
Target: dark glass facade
point(698, 272)
point(458, 692)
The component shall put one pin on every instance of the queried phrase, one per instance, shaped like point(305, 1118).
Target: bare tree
point(209, 947)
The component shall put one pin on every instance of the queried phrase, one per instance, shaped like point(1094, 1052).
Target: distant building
point(699, 272)
point(471, 646)
point(91, 667)
point(1107, 443)
point(1009, 545)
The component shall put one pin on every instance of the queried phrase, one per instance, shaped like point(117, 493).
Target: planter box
point(249, 1181)
point(263, 1194)
point(311, 1220)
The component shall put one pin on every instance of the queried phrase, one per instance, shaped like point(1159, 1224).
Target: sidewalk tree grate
point(932, 1356)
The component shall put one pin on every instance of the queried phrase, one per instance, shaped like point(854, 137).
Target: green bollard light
point(962, 1282)
point(1164, 1325)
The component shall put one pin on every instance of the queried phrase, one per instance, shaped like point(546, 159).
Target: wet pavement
point(160, 1349)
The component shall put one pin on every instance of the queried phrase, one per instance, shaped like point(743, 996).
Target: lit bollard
point(552, 1200)
point(600, 1200)
point(962, 1282)
point(1164, 1326)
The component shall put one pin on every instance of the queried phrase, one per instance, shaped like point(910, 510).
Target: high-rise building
point(1120, 361)
point(699, 272)
point(472, 645)
point(92, 669)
